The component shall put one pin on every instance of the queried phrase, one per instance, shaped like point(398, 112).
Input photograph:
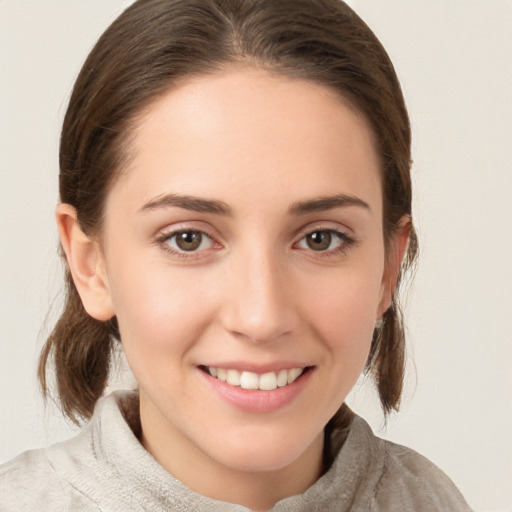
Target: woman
point(235, 210)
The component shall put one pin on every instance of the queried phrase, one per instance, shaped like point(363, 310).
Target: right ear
point(86, 264)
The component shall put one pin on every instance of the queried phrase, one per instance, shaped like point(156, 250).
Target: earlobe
point(396, 252)
point(86, 264)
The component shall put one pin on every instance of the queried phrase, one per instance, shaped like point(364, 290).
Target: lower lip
point(256, 400)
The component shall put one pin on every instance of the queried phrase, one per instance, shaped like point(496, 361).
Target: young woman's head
point(235, 196)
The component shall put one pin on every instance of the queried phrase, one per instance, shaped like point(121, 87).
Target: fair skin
point(244, 235)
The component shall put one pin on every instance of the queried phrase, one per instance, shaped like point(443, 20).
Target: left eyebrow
point(325, 203)
point(196, 204)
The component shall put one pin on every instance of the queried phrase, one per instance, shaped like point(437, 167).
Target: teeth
point(249, 380)
point(268, 381)
point(293, 374)
point(233, 378)
point(282, 378)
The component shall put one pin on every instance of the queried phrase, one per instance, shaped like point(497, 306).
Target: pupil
point(188, 241)
point(319, 240)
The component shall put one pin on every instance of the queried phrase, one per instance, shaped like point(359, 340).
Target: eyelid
point(169, 232)
point(324, 226)
point(203, 240)
point(345, 235)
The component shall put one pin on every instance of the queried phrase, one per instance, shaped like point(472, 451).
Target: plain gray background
point(454, 58)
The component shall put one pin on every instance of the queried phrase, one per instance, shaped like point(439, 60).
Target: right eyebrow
point(192, 203)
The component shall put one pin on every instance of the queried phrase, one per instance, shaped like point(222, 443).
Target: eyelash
point(164, 238)
point(346, 242)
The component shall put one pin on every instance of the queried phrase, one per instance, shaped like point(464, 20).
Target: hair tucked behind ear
point(149, 49)
point(386, 361)
point(80, 348)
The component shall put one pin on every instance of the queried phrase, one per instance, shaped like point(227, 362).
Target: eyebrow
point(202, 205)
point(324, 203)
point(195, 204)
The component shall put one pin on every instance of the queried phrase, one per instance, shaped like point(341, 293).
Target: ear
point(394, 257)
point(86, 264)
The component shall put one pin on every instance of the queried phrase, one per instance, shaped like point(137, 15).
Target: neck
point(257, 490)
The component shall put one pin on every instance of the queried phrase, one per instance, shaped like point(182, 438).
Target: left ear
point(395, 254)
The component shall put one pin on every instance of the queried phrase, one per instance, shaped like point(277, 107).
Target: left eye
point(189, 241)
point(322, 240)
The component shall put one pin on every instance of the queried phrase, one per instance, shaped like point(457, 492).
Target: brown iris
point(189, 240)
point(319, 240)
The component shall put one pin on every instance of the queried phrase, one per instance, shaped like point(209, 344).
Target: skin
point(254, 292)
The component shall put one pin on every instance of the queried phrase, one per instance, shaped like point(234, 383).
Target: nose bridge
point(258, 305)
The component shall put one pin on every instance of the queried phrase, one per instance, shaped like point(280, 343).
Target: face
point(244, 243)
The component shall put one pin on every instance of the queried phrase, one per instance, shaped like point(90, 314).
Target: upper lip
point(253, 367)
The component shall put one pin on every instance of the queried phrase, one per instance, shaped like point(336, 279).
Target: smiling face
point(244, 243)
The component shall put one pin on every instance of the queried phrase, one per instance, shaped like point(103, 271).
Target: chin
point(269, 452)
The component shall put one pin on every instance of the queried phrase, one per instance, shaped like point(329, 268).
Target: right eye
point(187, 241)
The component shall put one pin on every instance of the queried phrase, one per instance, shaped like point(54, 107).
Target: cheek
point(344, 310)
point(346, 327)
point(157, 309)
point(341, 317)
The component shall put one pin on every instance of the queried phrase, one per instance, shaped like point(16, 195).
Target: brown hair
point(156, 43)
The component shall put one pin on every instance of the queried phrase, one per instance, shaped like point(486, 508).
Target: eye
point(323, 240)
point(188, 241)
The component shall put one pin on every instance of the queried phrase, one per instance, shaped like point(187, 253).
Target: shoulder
point(413, 481)
point(67, 476)
point(30, 482)
point(80, 474)
point(370, 474)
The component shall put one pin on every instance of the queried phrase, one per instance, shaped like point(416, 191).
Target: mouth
point(268, 381)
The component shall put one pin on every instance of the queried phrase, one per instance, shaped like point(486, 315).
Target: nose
point(258, 304)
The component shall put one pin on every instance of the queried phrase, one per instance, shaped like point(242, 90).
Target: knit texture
point(105, 468)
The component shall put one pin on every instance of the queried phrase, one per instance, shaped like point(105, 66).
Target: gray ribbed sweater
point(106, 469)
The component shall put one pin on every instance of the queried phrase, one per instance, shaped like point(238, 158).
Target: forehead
point(247, 134)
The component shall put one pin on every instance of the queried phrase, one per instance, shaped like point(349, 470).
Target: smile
point(250, 380)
